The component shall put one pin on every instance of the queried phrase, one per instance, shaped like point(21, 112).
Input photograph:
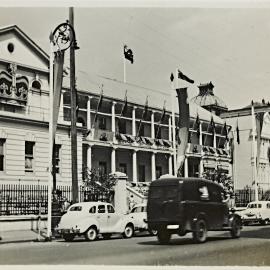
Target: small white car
point(138, 216)
point(257, 211)
point(93, 218)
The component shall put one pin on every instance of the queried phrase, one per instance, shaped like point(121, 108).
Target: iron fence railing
point(17, 199)
point(244, 196)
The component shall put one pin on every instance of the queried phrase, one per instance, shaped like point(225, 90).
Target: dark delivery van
point(182, 205)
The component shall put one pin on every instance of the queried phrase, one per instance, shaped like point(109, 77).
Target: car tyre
point(236, 228)
point(264, 222)
point(129, 231)
point(153, 232)
point(163, 236)
point(68, 237)
point(91, 234)
point(200, 232)
point(106, 236)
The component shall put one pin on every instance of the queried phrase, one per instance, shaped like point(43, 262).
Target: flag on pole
point(197, 125)
point(259, 125)
point(98, 106)
point(128, 54)
point(144, 115)
point(57, 86)
point(237, 133)
point(183, 133)
point(124, 108)
point(161, 119)
point(184, 77)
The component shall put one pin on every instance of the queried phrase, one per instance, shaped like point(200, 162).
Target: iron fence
point(17, 199)
point(244, 196)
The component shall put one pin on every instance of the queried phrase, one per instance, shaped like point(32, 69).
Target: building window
point(102, 123)
point(57, 162)
point(122, 126)
point(123, 168)
point(102, 168)
point(29, 156)
point(158, 171)
point(141, 173)
point(2, 155)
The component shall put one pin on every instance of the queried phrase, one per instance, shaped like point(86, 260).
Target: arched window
point(36, 84)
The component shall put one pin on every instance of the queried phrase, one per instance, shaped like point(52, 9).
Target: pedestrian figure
point(65, 205)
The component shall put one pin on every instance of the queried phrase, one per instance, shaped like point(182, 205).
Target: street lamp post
point(62, 38)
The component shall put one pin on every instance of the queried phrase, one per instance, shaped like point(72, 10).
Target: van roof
point(175, 181)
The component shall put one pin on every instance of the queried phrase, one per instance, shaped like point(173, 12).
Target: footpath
point(20, 236)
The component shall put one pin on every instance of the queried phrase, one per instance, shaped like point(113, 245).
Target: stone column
point(89, 157)
point(201, 168)
point(153, 165)
point(153, 125)
point(186, 167)
point(113, 116)
point(89, 113)
point(170, 128)
point(134, 166)
point(134, 121)
point(170, 164)
point(113, 161)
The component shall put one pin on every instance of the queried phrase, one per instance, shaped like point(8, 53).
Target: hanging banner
point(183, 125)
point(57, 86)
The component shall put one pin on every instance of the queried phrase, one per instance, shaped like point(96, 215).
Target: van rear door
point(163, 202)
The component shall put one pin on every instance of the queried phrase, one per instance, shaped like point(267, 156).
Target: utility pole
point(73, 129)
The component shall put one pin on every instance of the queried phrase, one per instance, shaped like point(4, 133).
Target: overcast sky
point(228, 46)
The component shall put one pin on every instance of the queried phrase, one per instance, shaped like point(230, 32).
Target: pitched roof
point(25, 38)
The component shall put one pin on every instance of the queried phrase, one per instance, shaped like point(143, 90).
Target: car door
point(113, 220)
point(102, 217)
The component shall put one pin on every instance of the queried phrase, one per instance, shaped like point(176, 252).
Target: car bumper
point(68, 231)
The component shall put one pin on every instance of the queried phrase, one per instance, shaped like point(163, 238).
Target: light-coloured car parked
point(93, 218)
point(257, 211)
point(138, 216)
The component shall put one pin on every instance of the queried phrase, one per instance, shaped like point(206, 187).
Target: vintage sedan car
point(93, 218)
point(257, 211)
point(138, 216)
point(189, 205)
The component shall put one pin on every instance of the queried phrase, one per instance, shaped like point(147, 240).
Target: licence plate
point(171, 227)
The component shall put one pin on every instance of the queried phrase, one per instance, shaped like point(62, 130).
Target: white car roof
point(262, 202)
point(86, 204)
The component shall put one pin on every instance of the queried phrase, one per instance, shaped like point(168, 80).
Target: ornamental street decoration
point(13, 88)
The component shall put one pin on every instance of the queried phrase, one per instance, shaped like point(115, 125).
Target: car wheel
point(200, 232)
point(91, 234)
point(129, 231)
point(68, 237)
point(264, 222)
point(163, 236)
point(153, 232)
point(236, 228)
point(106, 236)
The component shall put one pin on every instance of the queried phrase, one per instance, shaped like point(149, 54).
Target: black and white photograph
point(135, 134)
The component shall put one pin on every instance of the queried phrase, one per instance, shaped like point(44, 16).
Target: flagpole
point(254, 153)
point(50, 176)
point(173, 128)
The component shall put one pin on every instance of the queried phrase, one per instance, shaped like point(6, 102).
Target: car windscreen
point(163, 192)
point(254, 205)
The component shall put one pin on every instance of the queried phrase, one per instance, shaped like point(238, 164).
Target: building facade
point(107, 140)
point(244, 150)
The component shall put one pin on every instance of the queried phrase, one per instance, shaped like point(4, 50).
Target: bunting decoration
point(184, 77)
point(128, 54)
